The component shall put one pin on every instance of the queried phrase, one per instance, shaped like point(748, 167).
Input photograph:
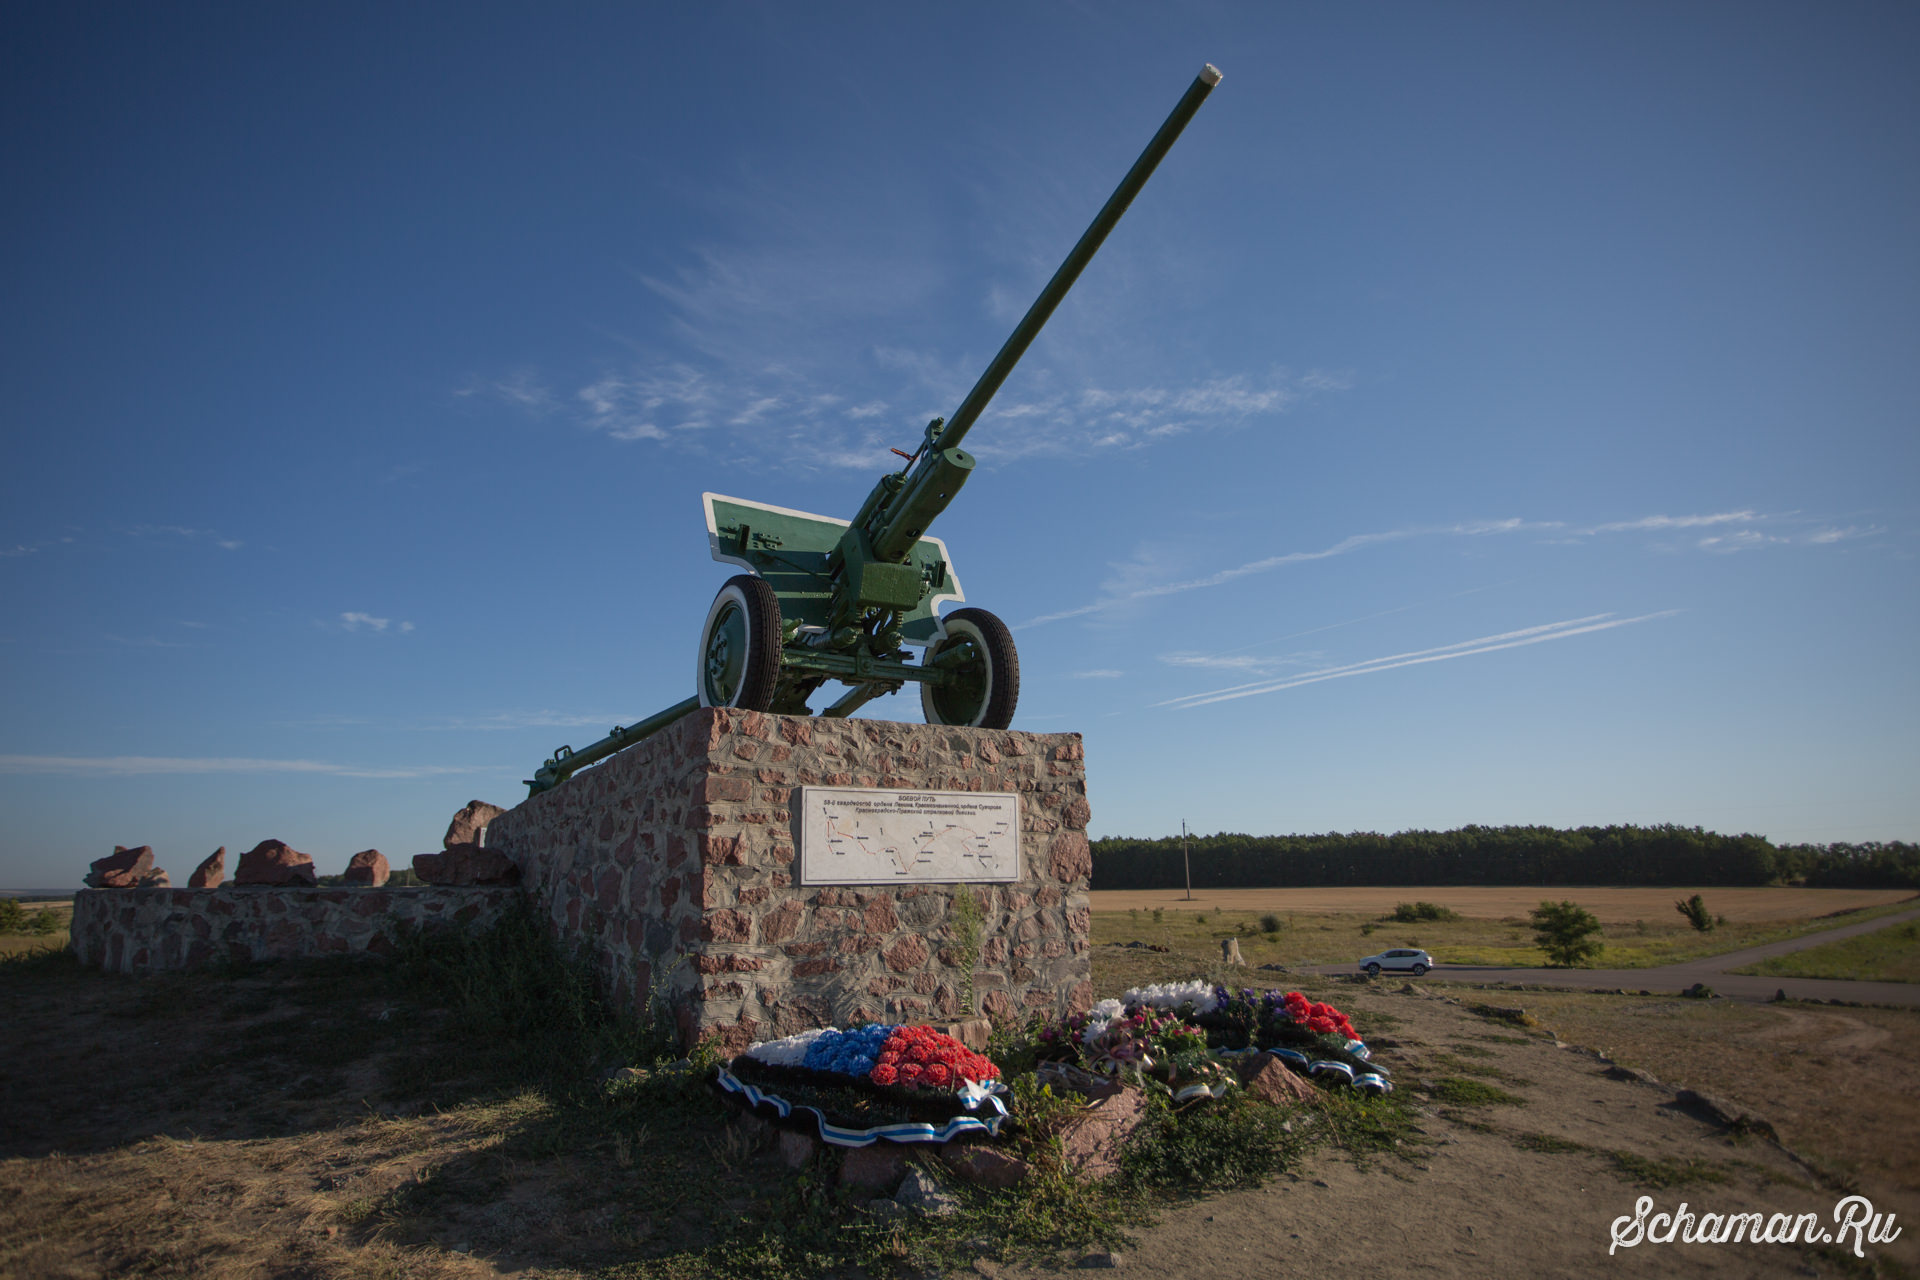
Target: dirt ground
point(250, 1126)
point(1533, 1189)
point(1611, 905)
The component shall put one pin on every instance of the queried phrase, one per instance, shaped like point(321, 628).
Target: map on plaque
point(858, 835)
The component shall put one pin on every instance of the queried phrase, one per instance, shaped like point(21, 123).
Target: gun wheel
point(740, 646)
point(986, 687)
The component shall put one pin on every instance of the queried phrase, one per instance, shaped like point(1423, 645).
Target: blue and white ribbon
point(972, 1096)
point(1369, 1081)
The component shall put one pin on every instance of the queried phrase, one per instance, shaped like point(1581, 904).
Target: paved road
point(1708, 969)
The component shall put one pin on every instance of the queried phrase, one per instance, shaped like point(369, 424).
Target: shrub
point(1695, 910)
point(1415, 912)
point(1269, 923)
point(1564, 930)
point(13, 917)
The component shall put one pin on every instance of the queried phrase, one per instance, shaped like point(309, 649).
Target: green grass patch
point(1460, 1091)
point(1547, 1143)
point(1643, 1172)
point(1658, 1175)
point(1891, 954)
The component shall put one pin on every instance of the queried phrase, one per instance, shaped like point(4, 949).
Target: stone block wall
point(673, 863)
point(148, 930)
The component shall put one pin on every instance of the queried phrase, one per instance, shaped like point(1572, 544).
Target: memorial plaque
point(861, 835)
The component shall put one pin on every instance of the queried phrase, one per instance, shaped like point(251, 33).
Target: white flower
point(789, 1052)
point(1171, 995)
point(1099, 1018)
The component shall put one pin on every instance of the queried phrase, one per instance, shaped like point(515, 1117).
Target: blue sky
point(1487, 414)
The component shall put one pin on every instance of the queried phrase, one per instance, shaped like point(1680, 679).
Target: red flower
point(937, 1075)
point(909, 1072)
point(885, 1075)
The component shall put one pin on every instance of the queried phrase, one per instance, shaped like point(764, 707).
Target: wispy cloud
point(1123, 592)
point(1442, 653)
point(1745, 530)
point(521, 387)
point(138, 766)
point(367, 622)
point(1652, 524)
point(806, 340)
point(788, 413)
point(186, 532)
point(1247, 663)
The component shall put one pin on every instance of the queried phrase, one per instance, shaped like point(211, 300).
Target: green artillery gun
point(826, 599)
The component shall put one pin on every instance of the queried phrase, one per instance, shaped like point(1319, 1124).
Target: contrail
point(1465, 648)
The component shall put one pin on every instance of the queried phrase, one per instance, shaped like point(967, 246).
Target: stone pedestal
point(673, 863)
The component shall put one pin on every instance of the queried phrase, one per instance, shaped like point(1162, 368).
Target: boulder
point(211, 873)
point(466, 864)
point(1091, 1141)
point(155, 879)
point(121, 869)
point(921, 1191)
point(368, 867)
point(875, 1169)
point(271, 863)
point(470, 822)
point(796, 1149)
point(971, 1032)
point(1268, 1079)
point(984, 1166)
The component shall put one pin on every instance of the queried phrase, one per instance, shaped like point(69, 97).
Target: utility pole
point(1184, 860)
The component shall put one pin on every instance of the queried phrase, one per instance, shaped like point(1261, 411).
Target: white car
point(1402, 959)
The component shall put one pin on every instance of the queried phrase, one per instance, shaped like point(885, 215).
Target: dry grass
point(1611, 905)
point(1475, 936)
point(15, 944)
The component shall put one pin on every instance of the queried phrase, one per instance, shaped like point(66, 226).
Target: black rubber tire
point(748, 608)
point(1373, 971)
point(1419, 971)
point(994, 708)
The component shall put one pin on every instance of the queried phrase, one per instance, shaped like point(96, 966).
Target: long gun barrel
point(902, 507)
point(1090, 241)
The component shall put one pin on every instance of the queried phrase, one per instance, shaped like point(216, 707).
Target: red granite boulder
point(1091, 1141)
point(124, 868)
point(368, 867)
point(466, 864)
point(1268, 1079)
point(470, 822)
point(211, 873)
point(271, 863)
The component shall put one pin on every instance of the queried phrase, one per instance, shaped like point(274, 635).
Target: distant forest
point(1617, 855)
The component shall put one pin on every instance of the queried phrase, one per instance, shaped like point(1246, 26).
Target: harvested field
point(1611, 905)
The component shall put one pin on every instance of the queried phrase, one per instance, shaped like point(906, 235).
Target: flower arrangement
point(912, 1058)
point(847, 1053)
point(920, 1057)
point(867, 1083)
point(1144, 1041)
point(1170, 1032)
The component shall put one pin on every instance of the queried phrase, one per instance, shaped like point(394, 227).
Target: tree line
point(1613, 855)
